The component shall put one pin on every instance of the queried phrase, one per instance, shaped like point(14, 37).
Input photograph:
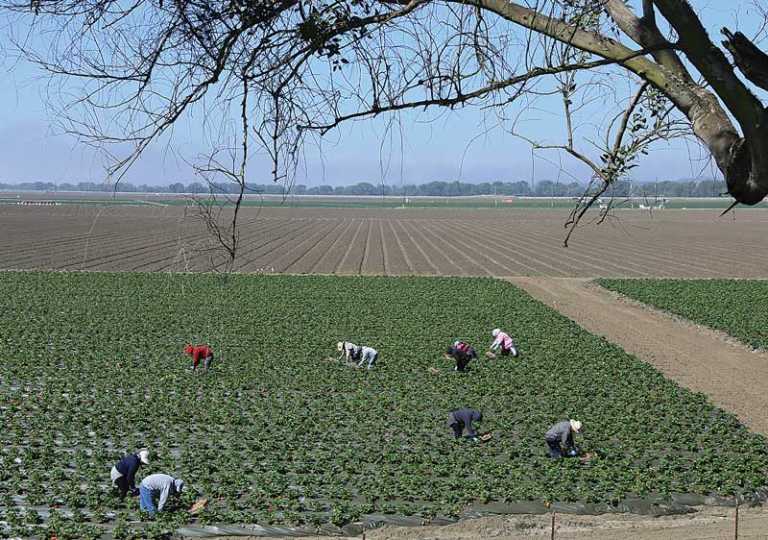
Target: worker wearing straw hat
point(559, 439)
point(358, 354)
point(123, 475)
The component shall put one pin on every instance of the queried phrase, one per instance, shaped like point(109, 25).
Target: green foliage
point(277, 433)
point(737, 307)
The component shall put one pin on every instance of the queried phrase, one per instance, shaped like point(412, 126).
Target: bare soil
point(463, 242)
point(707, 523)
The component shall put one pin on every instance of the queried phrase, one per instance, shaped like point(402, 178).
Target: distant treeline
point(543, 188)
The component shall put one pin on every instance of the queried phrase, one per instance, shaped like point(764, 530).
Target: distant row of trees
point(544, 188)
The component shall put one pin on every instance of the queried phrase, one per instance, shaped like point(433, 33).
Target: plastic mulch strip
point(650, 505)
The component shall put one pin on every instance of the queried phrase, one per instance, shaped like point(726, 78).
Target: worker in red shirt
point(197, 352)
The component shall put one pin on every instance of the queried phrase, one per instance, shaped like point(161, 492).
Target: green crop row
point(737, 307)
point(278, 433)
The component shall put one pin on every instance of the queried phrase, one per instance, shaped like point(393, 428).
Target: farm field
point(453, 242)
point(736, 307)
point(732, 375)
point(277, 433)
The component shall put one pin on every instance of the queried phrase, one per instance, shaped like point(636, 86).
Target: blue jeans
point(207, 361)
point(555, 451)
point(370, 357)
point(145, 500)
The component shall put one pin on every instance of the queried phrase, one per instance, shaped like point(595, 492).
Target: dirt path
point(708, 523)
point(733, 376)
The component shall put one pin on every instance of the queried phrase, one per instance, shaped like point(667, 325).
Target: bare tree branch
point(461, 99)
point(644, 32)
point(752, 62)
point(711, 62)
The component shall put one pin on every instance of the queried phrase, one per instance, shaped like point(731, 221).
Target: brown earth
point(465, 242)
point(707, 523)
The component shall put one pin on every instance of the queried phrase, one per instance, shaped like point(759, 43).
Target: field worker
point(123, 474)
point(560, 439)
point(158, 486)
point(462, 353)
point(461, 421)
point(502, 343)
point(357, 354)
point(200, 352)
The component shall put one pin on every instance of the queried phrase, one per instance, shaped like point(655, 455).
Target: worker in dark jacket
point(462, 353)
point(560, 439)
point(123, 474)
point(461, 421)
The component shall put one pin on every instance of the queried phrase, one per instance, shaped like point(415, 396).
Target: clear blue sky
point(460, 145)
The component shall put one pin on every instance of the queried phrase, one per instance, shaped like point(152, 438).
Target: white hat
point(340, 346)
point(496, 332)
point(144, 456)
point(575, 425)
point(178, 484)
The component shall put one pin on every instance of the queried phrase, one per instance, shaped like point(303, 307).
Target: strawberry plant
point(278, 433)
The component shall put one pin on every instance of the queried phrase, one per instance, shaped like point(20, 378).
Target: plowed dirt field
point(465, 242)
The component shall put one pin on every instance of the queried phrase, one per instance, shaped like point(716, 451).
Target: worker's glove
point(135, 492)
point(573, 452)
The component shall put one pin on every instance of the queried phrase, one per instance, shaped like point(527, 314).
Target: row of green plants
point(734, 306)
point(281, 433)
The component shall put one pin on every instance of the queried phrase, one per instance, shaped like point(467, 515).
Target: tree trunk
point(743, 159)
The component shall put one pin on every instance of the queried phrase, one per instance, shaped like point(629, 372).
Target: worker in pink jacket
point(503, 343)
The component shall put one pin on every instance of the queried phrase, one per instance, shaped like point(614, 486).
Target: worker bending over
point(358, 354)
point(200, 352)
point(462, 353)
point(461, 421)
point(502, 343)
point(560, 439)
point(123, 475)
point(158, 487)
